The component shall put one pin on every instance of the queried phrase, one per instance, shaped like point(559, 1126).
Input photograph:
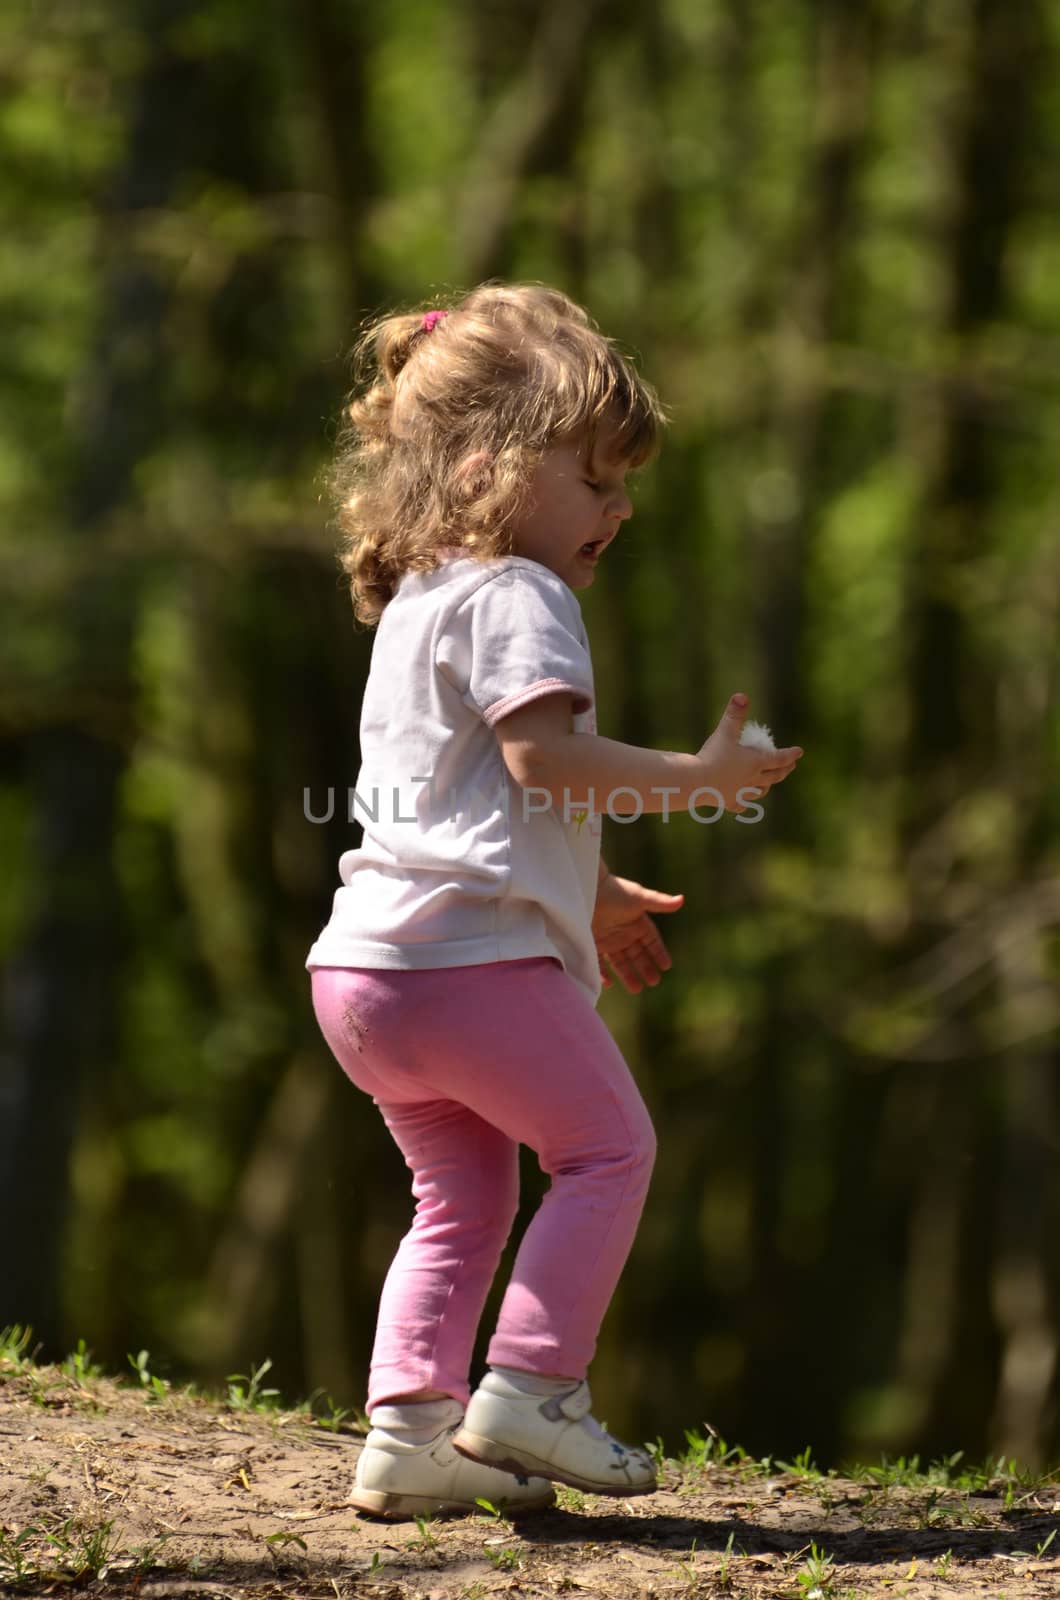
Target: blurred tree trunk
point(810, 318)
point(955, 739)
point(313, 1143)
point(1024, 1275)
point(63, 980)
point(952, 686)
point(332, 39)
point(531, 129)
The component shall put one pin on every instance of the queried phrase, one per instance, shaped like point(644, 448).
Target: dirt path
point(104, 1493)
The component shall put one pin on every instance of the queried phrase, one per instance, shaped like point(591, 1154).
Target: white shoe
point(400, 1481)
point(553, 1436)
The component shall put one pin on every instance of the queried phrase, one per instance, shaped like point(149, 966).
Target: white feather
point(758, 736)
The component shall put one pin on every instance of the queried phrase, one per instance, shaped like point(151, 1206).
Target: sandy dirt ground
point(103, 1492)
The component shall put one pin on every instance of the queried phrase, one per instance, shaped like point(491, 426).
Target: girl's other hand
point(626, 938)
point(730, 767)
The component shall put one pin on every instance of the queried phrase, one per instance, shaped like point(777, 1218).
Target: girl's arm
point(543, 753)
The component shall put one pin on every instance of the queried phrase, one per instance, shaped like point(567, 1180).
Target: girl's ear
point(474, 473)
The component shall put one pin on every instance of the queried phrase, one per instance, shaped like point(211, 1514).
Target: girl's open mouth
point(592, 549)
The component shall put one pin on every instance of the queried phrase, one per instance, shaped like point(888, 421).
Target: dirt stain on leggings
point(354, 1028)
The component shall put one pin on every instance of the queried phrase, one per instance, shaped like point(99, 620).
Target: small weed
point(15, 1353)
point(426, 1539)
point(569, 1499)
point(504, 1560)
point(1016, 1477)
point(724, 1578)
point(145, 1556)
point(16, 1565)
point(335, 1414)
point(18, 1360)
point(508, 1560)
point(709, 1450)
point(927, 1512)
point(946, 1473)
point(80, 1366)
point(935, 1510)
point(803, 1466)
point(62, 1539)
point(96, 1546)
point(245, 1392)
point(942, 1565)
point(283, 1538)
point(1043, 1547)
point(157, 1389)
point(25, 1556)
point(688, 1570)
point(815, 1579)
point(898, 1474)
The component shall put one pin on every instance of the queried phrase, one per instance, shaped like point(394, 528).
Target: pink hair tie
point(432, 318)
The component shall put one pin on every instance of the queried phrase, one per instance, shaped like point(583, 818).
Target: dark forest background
point(830, 230)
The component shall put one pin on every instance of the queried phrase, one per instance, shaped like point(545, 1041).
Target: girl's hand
point(625, 935)
point(730, 767)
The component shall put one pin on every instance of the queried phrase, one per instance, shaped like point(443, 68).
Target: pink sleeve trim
point(536, 691)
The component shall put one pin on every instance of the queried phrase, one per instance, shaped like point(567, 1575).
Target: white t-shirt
point(459, 865)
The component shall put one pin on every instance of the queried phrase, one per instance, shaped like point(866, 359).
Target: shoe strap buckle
point(577, 1404)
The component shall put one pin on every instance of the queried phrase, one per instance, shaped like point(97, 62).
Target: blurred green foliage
point(827, 231)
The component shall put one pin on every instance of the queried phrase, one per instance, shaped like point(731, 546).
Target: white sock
point(415, 1421)
point(534, 1382)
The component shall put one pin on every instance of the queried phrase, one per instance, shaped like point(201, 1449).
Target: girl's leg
point(521, 1047)
point(466, 1183)
point(593, 1135)
point(456, 1057)
point(526, 1050)
point(465, 1180)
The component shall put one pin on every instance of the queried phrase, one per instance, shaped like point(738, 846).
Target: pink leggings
point(466, 1063)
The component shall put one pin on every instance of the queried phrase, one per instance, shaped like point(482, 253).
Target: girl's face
point(576, 506)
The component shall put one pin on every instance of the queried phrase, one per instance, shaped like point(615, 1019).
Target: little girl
point(481, 477)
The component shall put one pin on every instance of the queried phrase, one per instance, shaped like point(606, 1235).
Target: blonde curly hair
point(452, 415)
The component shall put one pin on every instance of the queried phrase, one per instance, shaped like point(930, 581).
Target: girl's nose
point(621, 506)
